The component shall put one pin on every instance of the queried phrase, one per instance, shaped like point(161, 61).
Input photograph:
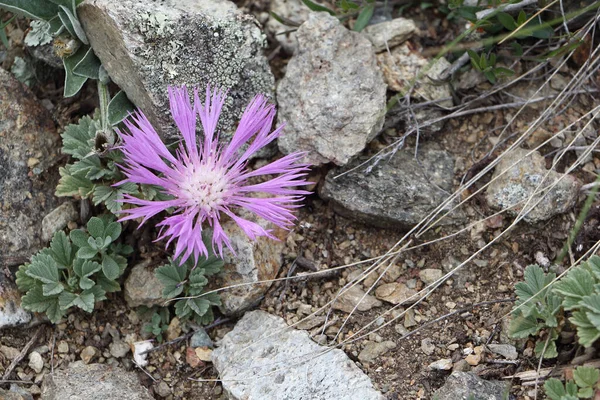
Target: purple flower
point(207, 181)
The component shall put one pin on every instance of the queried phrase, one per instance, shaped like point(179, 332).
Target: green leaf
point(86, 268)
point(317, 7)
point(98, 292)
point(171, 276)
point(521, 327)
point(507, 21)
point(51, 289)
point(112, 196)
point(571, 388)
point(43, 268)
point(490, 76)
point(61, 247)
point(89, 65)
point(112, 230)
point(551, 351)
point(73, 83)
point(87, 253)
point(79, 238)
point(31, 8)
point(474, 59)
point(86, 283)
point(107, 285)
point(540, 30)
point(503, 71)
point(78, 138)
point(364, 17)
point(517, 49)
point(554, 389)
point(199, 305)
point(591, 302)
point(585, 393)
point(119, 108)
point(182, 309)
point(586, 330)
point(110, 268)
point(521, 18)
point(586, 376)
point(95, 227)
point(577, 284)
point(70, 185)
point(24, 281)
point(73, 24)
point(84, 300)
point(54, 311)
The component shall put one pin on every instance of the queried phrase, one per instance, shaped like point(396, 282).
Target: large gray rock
point(93, 382)
point(11, 313)
point(261, 358)
point(512, 189)
point(467, 385)
point(397, 193)
point(332, 97)
point(147, 45)
point(29, 146)
point(254, 261)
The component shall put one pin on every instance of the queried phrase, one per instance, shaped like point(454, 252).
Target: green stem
point(580, 220)
point(104, 98)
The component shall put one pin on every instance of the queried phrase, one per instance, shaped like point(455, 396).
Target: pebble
point(203, 353)
point(373, 350)
point(36, 362)
point(63, 347)
point(118, 348)
point(355, 297)
point(139, 348)
point(163, 389)
point(9, 352)
point(396, 293)
point(201, 339)
point(192, 358)
point(88, 354)
point(444, 364)
point(430, 275)
point(174, 329)
point(427, 346)
point(507, 351)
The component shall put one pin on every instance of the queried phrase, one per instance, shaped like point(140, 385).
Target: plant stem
point(580, 220)
point(104, 98)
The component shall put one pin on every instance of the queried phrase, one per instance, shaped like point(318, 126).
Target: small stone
point(118, 348)
point(355, 299)
point(36, 362)
point(444, 364)
point(58, 219)
point(389, 33)
point(191, 358)
point(427, 346)
point(9, 352)
point(465, 385)
point(525, 174)
point(142, 287)
point(396, 293)
point(409, 319)
point(163, 389)
point(473, 359)
point(203, 353)
point(63, 347)
point(507, 351)
point(461, 365)
point(88, 354)
point(139, 352)
point(430, 275)
point(201, 339)
point(174, 329)
point(374, 350)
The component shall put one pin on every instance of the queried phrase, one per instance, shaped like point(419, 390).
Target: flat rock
point(58, 219)
point(29, 145)
point(507, 351)
point(512, 189)
point(430, 275)
point(93, 382)
point(396, 293)
point(374, 350)
point(142, 287)
point(261, 359)
point(355, 298)
point(390, 33)
point(147, 45)
point(11, 313)
point(402, 65)
point(333, 96)
point(254, 261)
point(467, 385)
point(397, 193)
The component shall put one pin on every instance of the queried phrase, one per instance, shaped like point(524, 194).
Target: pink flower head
point(207, 180)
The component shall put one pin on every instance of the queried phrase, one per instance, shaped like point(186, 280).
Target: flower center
point(204, 186)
